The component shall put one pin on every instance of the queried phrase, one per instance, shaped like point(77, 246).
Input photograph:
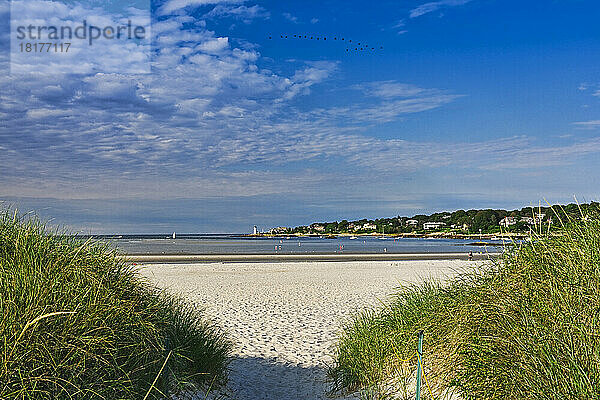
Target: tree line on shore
point(482, 221)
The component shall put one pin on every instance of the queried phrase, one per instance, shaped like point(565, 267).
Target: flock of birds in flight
point(350, 45)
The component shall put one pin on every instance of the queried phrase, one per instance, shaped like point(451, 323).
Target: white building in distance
point(508, 221)
point(433, 225)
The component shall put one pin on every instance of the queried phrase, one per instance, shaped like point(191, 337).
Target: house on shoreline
point(369, 226)
point(508, 221)
point(433, 225)
point(317, 227)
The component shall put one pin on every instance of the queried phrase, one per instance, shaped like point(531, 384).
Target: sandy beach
point(284, 316)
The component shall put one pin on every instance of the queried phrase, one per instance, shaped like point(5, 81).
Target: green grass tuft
point(76, 322)
point(523, 326)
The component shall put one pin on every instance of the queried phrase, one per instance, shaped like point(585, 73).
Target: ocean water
point(239, 244)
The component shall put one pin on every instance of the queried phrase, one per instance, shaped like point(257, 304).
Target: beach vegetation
point(523, 325)
point(77, 322)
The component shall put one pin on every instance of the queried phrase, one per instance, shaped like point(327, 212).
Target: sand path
point(284, 317)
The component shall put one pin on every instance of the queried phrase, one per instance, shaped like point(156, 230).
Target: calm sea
point(238, 244)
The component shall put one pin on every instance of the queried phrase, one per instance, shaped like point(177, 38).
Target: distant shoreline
point(209, 258)
point(432, 235)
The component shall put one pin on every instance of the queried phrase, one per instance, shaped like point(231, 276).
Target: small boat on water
point(353, 237)
point(383, 234)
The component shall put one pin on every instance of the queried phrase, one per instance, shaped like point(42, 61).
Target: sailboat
point(383, 233)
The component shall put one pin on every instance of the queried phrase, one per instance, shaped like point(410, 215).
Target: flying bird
point(360, 45)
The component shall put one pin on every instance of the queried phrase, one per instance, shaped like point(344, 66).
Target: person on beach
point(470, 256)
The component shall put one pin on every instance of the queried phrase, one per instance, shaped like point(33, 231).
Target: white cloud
point(588, 124)
point(45, 113)
point(583, 87)
point(211, 121)
point(175, 5)
point(312, 74)
point(434, 6)
point(529, 156)
point(112, 125)
point(390, 89)
point(214, 46)
point(244, 13)
point(400, 24)
point(290, 17)
point(386, 111)
point(85, 55)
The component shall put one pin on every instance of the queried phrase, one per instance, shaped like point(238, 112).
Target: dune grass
point(76, 322)
point(524, 326)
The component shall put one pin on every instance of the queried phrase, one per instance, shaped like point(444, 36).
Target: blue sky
point(470, 104)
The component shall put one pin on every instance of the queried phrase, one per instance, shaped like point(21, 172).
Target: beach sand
point(284, 316)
